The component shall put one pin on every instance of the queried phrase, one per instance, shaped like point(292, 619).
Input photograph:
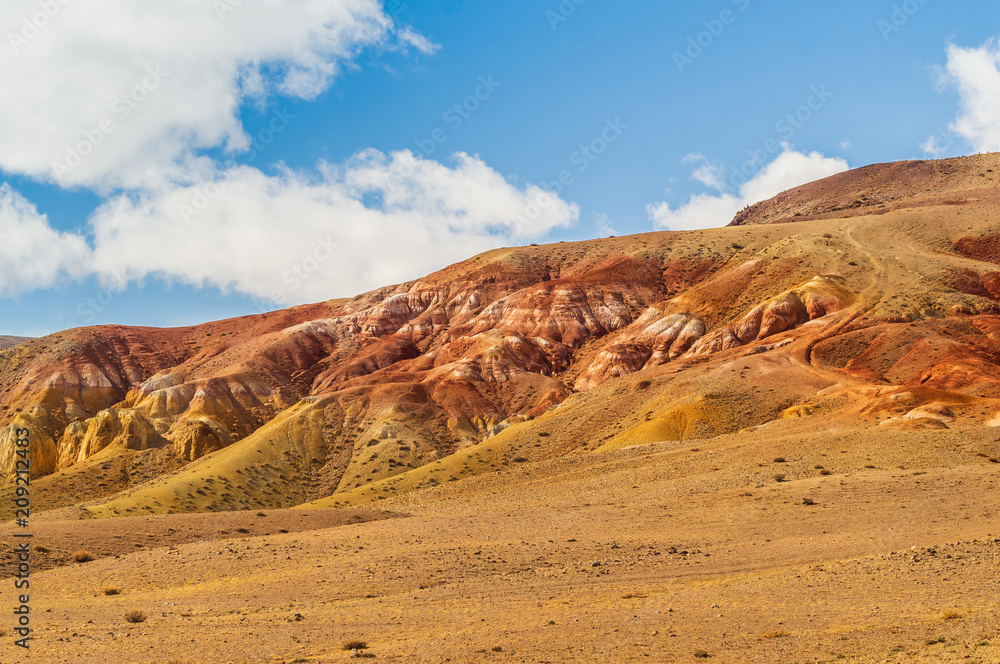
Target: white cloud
point(418, 41)
point(375, 220)
point(129, 96)
point(709, 174)
point(932, 147)
point(976, 74)
point(32, 254)
point(789, 169)
point(142, 87)
point(605, 226)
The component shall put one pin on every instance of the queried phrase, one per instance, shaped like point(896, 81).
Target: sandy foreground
point(592, 558)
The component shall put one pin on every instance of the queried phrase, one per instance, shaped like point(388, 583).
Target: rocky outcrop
point(122, 427)
point(442, 363)
point(820, 296)
point(653, 340)
point(194, 439)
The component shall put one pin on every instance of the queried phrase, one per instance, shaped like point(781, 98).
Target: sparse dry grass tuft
point(951, 614)
point(83, 556)
point(775, 634)
point(135, 616)
point(354, 645)
point(111, 590)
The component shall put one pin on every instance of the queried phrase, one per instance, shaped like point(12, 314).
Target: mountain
point(10, 342)
point(870, 299)
point(773, 441)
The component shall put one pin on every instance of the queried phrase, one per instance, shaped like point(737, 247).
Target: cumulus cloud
point(117, 93)
point(137, 100)
point(975, 72)
point(32, 254)
point(290, 238)
point(789, 169)
point(709, 174)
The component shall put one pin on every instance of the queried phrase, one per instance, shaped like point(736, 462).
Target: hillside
point(773, 441)
point(9, 342)
point(887, 319)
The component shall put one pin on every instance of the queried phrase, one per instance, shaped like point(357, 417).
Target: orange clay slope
point(880, 317)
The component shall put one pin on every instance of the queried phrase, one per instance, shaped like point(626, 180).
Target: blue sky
point(305, 132)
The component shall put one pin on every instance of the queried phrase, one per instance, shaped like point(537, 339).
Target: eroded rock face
point(656, 339)
point(446, 361)
point(820, 296)
point(42, 447)
point(123, 427)
point(193, 439)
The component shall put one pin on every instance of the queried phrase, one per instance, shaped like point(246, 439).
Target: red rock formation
point(367, 388)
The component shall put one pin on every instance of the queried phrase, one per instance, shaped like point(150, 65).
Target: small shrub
point(950, 614)
point(701, 654)
point(930, 642)
point(497, 649)
point(111, 590)
point(825, 472)
point(135, 617)
point(634, 596)
point(520, 459)
point(779, 477)
point(808, 501)
point(780, 460)
point(243, 530)
point(83, 556)
point(354, 645)
point(776, 634)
